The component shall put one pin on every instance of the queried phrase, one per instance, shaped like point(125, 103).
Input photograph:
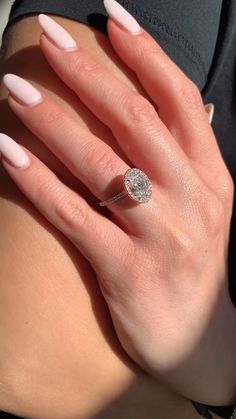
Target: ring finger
point(66, 210)
point(90, 159)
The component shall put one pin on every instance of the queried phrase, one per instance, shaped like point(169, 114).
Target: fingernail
point(120, 15)
point(13, 152)
point(22, 89)
point(210, 108)
point(56, 33)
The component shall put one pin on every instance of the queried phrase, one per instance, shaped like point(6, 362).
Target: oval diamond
point(137, 185)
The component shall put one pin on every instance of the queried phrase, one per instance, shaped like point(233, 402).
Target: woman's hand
point(162, 266)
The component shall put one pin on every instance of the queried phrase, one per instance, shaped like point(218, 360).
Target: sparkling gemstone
point(138, 186)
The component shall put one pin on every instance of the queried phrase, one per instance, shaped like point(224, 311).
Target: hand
point(161, 266)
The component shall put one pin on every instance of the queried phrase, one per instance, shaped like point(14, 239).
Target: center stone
point(138, 186)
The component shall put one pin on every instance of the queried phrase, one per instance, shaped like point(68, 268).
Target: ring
point(136, 185)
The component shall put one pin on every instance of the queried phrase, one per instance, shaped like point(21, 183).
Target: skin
point(38, 326)
point(33, 377)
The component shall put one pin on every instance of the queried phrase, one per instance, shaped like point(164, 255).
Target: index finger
point(98, 239)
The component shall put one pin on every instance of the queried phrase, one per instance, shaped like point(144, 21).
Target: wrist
point(207, 375)
point(220, 366)
point(220, 361)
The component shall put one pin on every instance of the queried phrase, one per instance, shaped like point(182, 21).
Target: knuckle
point(68, 207)
point(155, 52)
point(100, 162)
point(182, 244)
point(227, 185)
point(184, 251)
point(72, 212)
point(138, 110)
point(213, 214)
point(83, 65)
point(189, 93)
point(52, 119)
point(43, 186)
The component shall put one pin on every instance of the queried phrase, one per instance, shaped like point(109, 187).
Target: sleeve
point(186, 29)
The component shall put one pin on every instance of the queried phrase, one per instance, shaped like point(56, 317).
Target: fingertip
point(210, 109)
point(56, 33)
point(13, 152)
point(122, 17)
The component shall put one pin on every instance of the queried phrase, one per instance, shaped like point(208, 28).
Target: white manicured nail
point(56, 33)
point(120, 15)
point(22, 89)
point(210, 108)
point(13, 152)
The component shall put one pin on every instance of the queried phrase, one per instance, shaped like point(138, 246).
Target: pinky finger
point(209, 107)
point(98, 239)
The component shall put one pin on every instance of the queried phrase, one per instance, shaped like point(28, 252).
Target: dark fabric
point(202, 410)
point(205, 411)
point(222, 412)
point(188, 33)
point(200, 37)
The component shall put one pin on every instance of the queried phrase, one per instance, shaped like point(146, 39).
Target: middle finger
point(133, 120)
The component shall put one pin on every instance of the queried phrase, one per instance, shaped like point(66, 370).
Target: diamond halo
point(137, 185)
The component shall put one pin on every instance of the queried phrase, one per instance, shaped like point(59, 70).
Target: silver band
point(136, 185)
point(113, 198)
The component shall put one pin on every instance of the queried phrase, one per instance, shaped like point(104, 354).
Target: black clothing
point(188, 33)
point(200, 37)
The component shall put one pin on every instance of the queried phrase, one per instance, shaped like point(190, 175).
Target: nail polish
point(22, 90)
point(13, 152)
point(210, 108)
point(56, 33)
point(121, 16)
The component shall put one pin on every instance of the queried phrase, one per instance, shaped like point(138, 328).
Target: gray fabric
point(186, 29)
